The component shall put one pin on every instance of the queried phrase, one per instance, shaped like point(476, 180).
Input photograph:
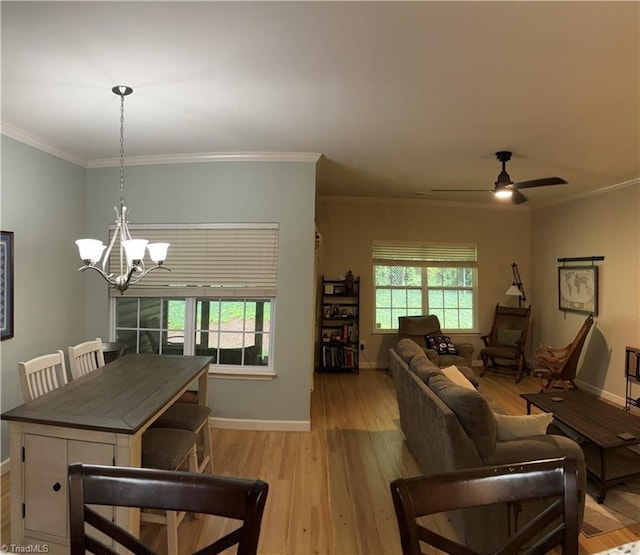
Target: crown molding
point(31, 140)
point(306, 157)
point(423, 201)
point(589, 194)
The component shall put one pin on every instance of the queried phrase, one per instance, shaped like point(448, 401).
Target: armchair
point(419, 328)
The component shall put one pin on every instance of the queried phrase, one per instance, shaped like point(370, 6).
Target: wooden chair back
point(234, 498)
point(509, 318)
point(42, 374)
point(556, 479)
point(86, 357)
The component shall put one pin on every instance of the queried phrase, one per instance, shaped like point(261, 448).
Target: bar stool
point(169, 449)
point(193, 418)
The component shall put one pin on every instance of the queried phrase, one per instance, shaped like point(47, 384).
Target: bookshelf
point(339, 325)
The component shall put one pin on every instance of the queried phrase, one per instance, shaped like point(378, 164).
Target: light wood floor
point(329, 491)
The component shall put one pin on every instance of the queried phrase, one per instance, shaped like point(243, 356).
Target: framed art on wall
point(578, 289)
point(6, 285)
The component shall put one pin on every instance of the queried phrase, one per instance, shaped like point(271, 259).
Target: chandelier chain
point(121, 151)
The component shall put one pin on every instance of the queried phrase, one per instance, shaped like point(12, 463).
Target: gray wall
point(43, 200)
point(282, 192)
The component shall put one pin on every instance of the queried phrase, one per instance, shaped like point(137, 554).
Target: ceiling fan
point(504, 187)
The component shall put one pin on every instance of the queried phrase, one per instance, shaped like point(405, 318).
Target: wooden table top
point(120, 397)
point(590, 416)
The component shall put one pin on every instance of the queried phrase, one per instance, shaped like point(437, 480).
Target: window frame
point(191, 328)
point(424, 256)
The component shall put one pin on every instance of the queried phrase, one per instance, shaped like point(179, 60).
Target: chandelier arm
point(145, 272)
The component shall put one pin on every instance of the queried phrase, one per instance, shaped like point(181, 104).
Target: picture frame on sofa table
point(578, 289)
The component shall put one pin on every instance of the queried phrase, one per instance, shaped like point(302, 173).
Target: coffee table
point(599, 423)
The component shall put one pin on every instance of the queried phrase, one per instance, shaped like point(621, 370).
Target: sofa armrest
point(541, 447)
point(465, 350)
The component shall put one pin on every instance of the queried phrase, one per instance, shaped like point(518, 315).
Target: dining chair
point(557, 523)
point(42, 374)
point(225, 496)
point(169, 449)
point(192, 417)
point(86, 357)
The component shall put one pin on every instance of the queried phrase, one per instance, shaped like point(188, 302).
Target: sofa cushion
point(424, 368)
point(471, 409)
point(457, 377)
point(407, 349)
point(441, 344)
point(510, 427)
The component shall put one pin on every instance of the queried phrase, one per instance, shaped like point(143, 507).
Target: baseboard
point(615, 399)
point(4, 466)
point(261, 425)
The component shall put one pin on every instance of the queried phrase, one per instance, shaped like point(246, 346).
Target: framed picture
point(6, 285)
point(578, 289)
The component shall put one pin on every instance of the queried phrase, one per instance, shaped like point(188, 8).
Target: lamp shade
point(90, 249)
point(158, 251)
point(514, 291)
point(134, 248)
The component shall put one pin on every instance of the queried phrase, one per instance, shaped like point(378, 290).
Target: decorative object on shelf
point(517, 289)
point(132, 251)
point(348, 281)
point(578, 288)
point(6, 285)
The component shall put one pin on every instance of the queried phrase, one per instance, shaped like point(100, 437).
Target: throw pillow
point(441, 344)
point(471, 409)
point(508, 338)
point(457, 377)
point(520, 427)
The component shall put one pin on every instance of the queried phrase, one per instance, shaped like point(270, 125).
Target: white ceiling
point(398, 97)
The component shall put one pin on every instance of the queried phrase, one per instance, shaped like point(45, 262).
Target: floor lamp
point(517, 289)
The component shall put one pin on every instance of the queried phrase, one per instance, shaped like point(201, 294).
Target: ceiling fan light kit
point(504, 187)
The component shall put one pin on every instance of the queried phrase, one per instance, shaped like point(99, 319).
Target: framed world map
point(578, 289)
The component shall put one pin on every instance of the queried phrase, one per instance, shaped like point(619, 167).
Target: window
point(235, 332)
point(218, 299)
point(418, 278)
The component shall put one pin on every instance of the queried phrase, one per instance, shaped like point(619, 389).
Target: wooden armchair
point(507, 339)
point(553, 479)
point(558, 367)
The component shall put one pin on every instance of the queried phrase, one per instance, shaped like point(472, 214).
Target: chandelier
point(132, 268)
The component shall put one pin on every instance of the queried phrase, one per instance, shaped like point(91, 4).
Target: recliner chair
point(418, 328)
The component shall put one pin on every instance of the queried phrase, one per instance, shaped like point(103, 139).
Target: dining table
point(98, 418)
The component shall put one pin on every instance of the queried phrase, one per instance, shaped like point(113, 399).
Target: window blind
point(211, 260)
point(415, 253)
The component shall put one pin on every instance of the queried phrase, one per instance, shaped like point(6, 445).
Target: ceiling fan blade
point(461, 190)
point(542, 182)
point(518, 197)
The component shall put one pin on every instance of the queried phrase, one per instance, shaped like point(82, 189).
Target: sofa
point(450, 427)
point(426, 328)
